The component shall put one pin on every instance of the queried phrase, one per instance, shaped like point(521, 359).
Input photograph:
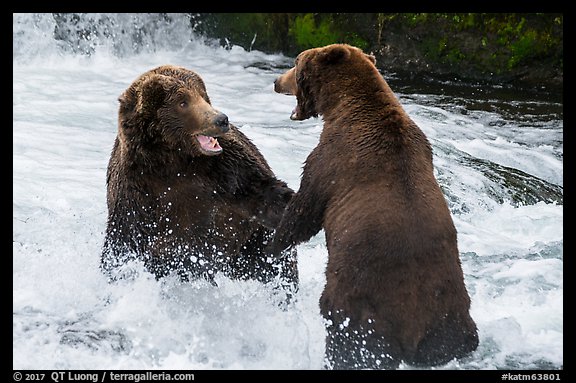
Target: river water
point(498, 155)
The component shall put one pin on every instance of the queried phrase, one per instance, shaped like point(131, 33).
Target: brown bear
point(187, 192)
point(395, 288)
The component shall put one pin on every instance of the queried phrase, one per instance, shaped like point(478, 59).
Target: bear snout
point(221, 122)
point(277, 86)
point(286, 83)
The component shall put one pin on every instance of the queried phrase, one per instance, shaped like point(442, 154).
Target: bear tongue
point(209, 144)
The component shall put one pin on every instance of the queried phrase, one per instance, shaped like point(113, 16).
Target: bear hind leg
point(451, 339)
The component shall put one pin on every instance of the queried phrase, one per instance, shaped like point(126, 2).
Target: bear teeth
point(208, 143)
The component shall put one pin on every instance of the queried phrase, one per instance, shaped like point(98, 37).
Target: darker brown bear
point(187, 191)
point(394, 284)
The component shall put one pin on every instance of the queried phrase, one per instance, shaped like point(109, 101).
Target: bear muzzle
point(284, 86)
point(209, 144)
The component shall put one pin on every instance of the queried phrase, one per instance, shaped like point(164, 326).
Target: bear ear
point(128, 102)
point(333, 54)
point(152, 94)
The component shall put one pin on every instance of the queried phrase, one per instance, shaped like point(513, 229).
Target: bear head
point(317, 70)
point(169, 107)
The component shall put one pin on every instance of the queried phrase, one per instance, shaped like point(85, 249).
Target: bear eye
point(183, 104)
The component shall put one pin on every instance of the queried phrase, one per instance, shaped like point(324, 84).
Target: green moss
point(454, 56)
point(414, 19)
point(308, 34)
point(520, 43)
point(357, 41)
point(442, 45)
point(505, 41)
point(525, 46)
point(310, 31)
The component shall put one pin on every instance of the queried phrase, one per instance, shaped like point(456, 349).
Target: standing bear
point(395, 288)
point(187, 192)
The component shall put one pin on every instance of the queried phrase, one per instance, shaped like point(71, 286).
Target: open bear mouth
point(208, 144)
point(294, 114)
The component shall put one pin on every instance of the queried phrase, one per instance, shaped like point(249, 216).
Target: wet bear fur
point(395, 288)
point(187, 192)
